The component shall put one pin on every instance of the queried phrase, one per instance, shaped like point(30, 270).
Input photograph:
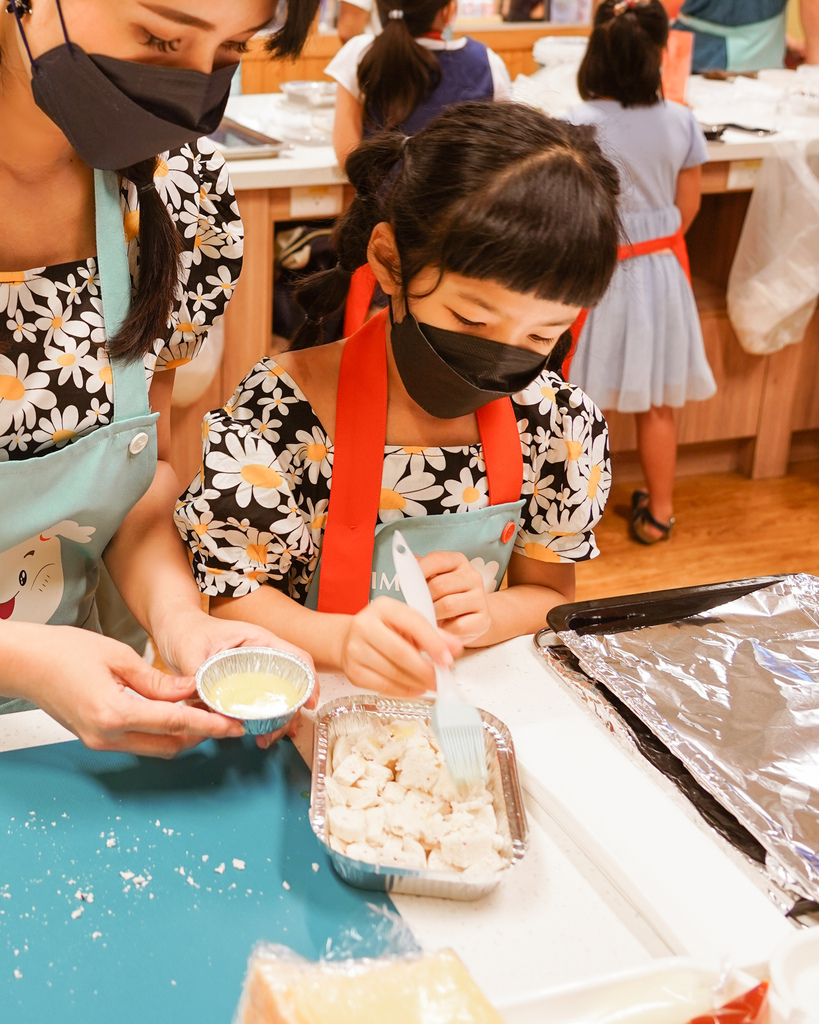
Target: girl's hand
point(96, 687)
point(384, 646)
point(195, 637)
point(458, 594)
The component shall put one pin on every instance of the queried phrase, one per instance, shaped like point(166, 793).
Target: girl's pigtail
point(321, 295)
point(389, 100)
point(159, 250)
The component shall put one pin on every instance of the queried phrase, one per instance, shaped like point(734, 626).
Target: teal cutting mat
point(184, 866)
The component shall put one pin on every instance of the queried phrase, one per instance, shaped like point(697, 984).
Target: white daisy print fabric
point(55, 375)
point(256, 512)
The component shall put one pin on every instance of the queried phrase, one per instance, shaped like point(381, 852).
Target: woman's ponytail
point(396, 73)
point(158, 279)
point(369, 169)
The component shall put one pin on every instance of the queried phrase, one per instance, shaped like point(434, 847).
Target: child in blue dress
point(641, 350)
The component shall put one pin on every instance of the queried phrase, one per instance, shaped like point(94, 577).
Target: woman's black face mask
point(118, 112)
point(451, 374)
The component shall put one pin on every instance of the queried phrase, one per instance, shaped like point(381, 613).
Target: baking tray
point(503, 773)
point(630, 611)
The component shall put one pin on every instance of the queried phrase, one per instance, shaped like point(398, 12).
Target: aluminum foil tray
point(345, 714)
point(733, 692)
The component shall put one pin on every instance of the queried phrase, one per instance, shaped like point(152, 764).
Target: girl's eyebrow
point(190, 20)
point(475, 300)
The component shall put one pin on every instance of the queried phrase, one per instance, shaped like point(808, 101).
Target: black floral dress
point(256, 513)
point(55, 379)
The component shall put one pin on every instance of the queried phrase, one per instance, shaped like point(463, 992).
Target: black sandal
point(641, 517)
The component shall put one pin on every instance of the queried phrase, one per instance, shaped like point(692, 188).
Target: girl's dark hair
point(623, 58)
point(288, 39)
point(159, 241)
point(397, 73)
point(494, 191)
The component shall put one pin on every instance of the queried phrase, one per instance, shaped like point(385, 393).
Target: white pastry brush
point(455, 721)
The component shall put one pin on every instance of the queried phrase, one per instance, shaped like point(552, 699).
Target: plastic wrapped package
point(774, 280)
point(283, 988)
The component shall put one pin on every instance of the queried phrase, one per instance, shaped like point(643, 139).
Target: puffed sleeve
point(195, 185)
point(697, 149)
point(567, 475)
point(251, 516)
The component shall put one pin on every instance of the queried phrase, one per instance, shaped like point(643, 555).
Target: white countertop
point(617, 872)
point(317, 165)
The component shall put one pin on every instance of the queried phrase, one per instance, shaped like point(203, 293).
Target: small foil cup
point(266, 660)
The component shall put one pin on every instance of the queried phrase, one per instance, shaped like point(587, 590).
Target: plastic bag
point(774, 280)
point(749, 1008)
point(284, 988)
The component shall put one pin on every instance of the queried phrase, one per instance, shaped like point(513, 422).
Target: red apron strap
point(358, 466)
point(359, 299)
point(502, 454)
point(675, 242)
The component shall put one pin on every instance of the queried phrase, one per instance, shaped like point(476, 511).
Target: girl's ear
point(382, 255)
point(450, 12)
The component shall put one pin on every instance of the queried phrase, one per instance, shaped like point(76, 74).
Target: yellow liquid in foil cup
point(253, 694)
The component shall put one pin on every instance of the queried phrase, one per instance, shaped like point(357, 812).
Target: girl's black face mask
point(451, 374)
point(118, 112)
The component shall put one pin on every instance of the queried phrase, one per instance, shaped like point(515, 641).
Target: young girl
point(409, 424)
point(409, 73)
point(641, 349)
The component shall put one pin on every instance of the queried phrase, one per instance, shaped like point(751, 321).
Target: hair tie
point(405, 143)
point(396, 14)
point(150, 187)
point(343, 270)
point(629, 5)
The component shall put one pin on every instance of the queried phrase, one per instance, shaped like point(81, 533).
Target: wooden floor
point(728, 527)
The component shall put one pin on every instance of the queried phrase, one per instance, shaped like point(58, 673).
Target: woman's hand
point(384, 646)
point(458, 594)
point(96, 687)
point(190, 639)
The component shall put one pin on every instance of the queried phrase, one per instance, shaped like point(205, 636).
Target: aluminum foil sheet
point(347, 714)
point(734, 693)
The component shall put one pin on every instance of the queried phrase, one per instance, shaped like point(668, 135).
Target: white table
point(566, 913)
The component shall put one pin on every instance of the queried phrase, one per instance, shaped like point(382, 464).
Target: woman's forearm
point(147, 561)
point(319, 633)
point(518, 610)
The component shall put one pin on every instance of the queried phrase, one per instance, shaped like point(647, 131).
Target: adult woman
point(79, 474)
point(744, 35)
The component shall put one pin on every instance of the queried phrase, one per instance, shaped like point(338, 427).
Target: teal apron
point(759, 44)
point(59, 511)
point(356, 558)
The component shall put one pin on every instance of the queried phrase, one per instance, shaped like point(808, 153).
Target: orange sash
point(675, 242)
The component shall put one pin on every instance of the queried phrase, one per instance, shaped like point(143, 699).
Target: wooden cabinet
point(513, 43)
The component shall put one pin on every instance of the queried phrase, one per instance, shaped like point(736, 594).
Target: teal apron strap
point(130, 394)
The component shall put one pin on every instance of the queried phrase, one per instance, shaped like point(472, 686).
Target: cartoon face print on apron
point(356, 557)
point(59, 511)
point(759, 44)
